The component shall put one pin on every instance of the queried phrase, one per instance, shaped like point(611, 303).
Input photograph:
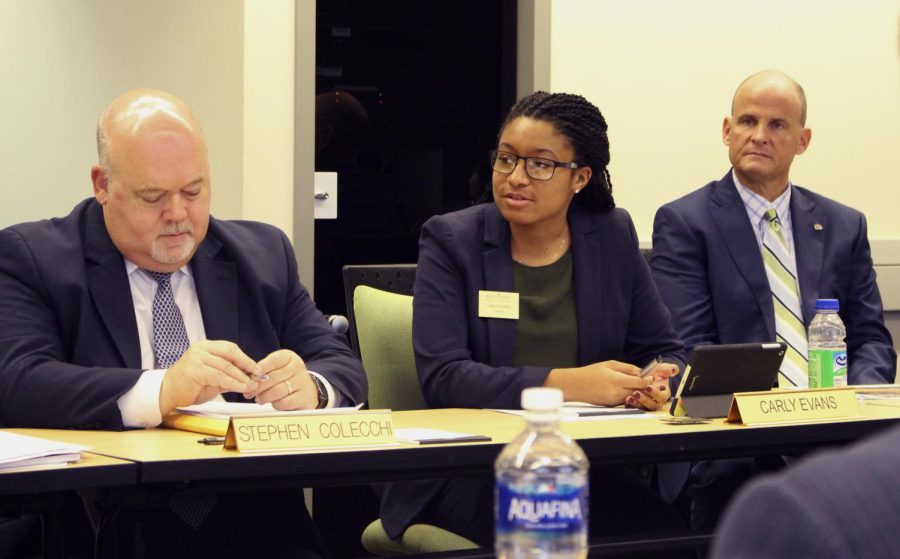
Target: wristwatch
point(320, 390)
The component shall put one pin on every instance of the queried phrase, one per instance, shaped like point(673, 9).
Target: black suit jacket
point(466, 361)
point(709, 270)
point(68, 335)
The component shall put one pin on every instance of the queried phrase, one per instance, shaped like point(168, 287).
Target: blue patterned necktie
point(170, 341)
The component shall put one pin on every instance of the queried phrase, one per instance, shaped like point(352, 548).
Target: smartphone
point(650, 366)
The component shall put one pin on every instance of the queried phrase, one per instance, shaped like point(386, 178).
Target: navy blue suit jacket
point(841, 503)
point(710, 273)
point(466, 361)
point(68, 335)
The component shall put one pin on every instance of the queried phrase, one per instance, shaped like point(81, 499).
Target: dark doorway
point(410, 94)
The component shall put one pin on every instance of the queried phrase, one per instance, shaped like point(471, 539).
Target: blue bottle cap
point(827, 305)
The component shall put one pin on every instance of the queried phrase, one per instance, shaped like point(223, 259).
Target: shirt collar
point(757, 205)
point(131, 267)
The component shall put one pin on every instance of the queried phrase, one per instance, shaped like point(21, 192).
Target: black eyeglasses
point(538, 168)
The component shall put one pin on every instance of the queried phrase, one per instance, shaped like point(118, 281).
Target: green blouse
point(547, 331)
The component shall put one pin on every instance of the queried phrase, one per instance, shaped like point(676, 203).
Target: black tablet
point(716, 372)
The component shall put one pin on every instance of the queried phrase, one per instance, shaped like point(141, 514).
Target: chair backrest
point(384, 326)
point(396, 278)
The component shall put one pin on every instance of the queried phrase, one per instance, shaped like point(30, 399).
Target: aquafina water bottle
point(827, 349)
point(541, 499)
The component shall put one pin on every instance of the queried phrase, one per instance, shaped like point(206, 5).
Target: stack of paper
point(17, 451)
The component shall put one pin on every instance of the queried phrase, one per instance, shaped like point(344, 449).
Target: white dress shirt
point(140, 405)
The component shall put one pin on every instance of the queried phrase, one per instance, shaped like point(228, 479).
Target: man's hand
point(206, 369)
point(290, 386)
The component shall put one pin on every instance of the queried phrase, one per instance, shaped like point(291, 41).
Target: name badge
point(498, 304)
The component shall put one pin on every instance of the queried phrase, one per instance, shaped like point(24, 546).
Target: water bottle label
point(827, 368)
point(546, 509)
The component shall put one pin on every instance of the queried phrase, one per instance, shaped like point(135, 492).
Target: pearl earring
point(577, 190)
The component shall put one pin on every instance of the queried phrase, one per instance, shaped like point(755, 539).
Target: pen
point(650, 366)
point(617, 411)
point(211, 440)
point(467, 439)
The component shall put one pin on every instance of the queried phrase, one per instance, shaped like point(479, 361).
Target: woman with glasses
point(544, 286)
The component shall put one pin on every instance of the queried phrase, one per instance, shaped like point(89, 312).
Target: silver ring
point(290, 388)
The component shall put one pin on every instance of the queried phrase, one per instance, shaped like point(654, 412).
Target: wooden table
point(163, 457)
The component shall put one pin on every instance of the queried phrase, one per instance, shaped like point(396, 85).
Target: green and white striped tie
point(785, 298)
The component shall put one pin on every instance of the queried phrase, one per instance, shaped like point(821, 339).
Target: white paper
point(876, 391)
point(224, 410)
point(21, 450)
point(326, 193)
point(580, 411)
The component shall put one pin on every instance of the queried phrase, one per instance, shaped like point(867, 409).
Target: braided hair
point(584, 127)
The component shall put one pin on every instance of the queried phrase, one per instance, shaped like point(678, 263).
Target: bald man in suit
point(89, 337)
point(709, 267)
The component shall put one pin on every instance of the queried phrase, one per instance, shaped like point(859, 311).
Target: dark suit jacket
point(710, 273)
point(466, 361)
point(709, 270)
point(68, 335)
point(843, 503)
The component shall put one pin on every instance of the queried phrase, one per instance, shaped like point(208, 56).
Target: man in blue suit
point(708, 261)
point(87, 334)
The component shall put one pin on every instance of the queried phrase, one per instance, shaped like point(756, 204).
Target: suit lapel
point(809, 246)
point(588, 280)
point(217, 289)
point(108, 284)
point(730, 217)
point(498, 276)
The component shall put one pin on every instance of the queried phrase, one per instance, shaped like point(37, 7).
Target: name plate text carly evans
point(780, 406)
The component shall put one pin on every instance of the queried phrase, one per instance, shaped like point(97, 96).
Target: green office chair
point(384, 327)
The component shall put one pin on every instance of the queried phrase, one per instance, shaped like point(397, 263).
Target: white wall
point(62, 62)
point(663, 73)
point(232, 61)
point(268, 112)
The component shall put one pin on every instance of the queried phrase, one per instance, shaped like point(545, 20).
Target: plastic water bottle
point(541, 499)
point(827, 349)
